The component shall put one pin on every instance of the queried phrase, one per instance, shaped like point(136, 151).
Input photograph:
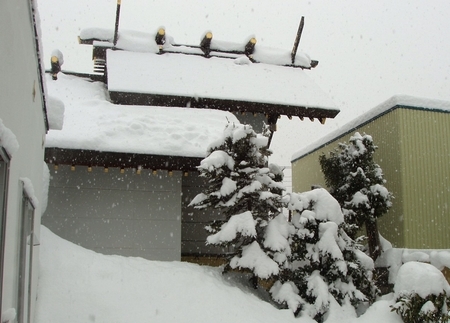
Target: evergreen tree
point(357, 183)
point(248, 192)
point(325, 263)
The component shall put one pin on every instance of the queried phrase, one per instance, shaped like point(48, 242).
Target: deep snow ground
point(79, 285)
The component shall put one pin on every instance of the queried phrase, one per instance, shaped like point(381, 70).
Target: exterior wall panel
point(112, 213)
point(427, 173)
point(307, 172)
point(385, 132)
point(193, 234)
point(22, 111)
point(414, 153)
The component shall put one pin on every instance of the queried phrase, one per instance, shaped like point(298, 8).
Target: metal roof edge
point(339, 134)
point(41, 72)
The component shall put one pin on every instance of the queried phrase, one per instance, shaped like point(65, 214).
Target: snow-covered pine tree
point(325, 263)
point(357, 183)
point(248, 192)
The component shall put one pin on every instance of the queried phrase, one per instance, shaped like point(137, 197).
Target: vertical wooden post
point(116, 29)
point(205, 44)
point(297, 40)
point(250, 46)
point(160, 39)
point(56, 67)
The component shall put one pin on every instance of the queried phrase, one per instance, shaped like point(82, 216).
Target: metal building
point(413, 136)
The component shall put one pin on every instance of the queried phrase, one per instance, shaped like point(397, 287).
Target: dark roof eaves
point(87, 157)
point(128, 98)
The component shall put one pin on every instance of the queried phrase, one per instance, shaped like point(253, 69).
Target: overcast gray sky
point(367, 50)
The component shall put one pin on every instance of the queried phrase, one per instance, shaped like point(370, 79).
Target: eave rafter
point(126, 98)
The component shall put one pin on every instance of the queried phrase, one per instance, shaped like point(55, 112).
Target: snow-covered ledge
point(55, 113)
point(8, 140)
point(394, 258)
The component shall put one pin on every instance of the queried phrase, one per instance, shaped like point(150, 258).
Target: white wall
point(21, 110)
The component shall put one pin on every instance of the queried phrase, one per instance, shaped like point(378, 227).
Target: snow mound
point(423, 279)
point(79, 285)
point(380, 311)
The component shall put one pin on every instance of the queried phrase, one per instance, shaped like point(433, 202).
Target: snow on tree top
point(236, 133)
point(92, 122)
point(359, 148)
point(395, 101)
point(328, 235)
point(277, 234)
point(242, 223)
point(325, 207)
point(217, 159)
point(253, 257)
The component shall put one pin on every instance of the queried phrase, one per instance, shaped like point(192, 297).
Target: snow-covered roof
point(143, 69)
point(137, 41)
point(404, 101)
point(195, 78)
point(91, 122)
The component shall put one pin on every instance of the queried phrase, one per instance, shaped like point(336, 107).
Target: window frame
point(26, 245)
point(4, 182)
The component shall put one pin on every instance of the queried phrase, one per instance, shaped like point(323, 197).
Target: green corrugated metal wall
point(386, 134)
point(420, 215)
point(307, 172)
point(426, 159)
